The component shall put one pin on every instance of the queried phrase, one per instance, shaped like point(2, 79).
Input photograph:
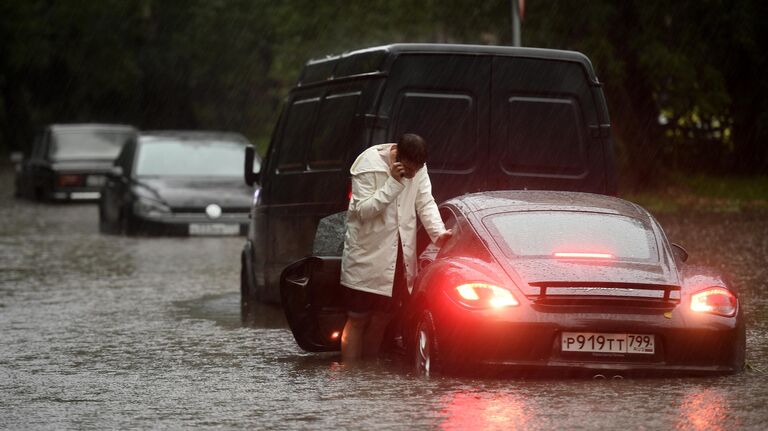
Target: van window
point(448, 122)
point(332, 132)
point(544, 135)
point(297, 132)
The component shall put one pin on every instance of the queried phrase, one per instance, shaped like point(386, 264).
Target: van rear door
point(542, 111)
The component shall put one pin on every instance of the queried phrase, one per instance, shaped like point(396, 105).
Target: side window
point(296, 135)
point(448, 122)
point(544, 135)
point(332, 132)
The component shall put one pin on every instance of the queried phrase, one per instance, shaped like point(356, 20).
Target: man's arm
point(426, 207)
point(367, 200)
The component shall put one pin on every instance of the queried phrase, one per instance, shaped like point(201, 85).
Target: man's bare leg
point(374, 334)
point(352, 339)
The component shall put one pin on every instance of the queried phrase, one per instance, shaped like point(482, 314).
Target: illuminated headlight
point(714, 300)
point(150, 207)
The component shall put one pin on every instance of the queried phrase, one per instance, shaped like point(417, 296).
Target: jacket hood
point(370, 161)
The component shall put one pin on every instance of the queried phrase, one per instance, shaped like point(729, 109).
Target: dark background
point(686, 81)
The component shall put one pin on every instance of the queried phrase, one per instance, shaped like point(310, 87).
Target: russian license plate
point(608, 343)
point(214, 229)
point(95, 180)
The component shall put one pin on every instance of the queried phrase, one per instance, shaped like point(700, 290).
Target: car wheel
point(247, 294)
point(105, 226)
point(425, 349)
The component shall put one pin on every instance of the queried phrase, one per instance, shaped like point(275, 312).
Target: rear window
point(88, 144)
point(544, 233)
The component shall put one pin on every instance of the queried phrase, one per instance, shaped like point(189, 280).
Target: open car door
point(312, 301)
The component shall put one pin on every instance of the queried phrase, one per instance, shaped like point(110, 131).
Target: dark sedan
point(178, 183)
point(69, 161)
point(536, 281)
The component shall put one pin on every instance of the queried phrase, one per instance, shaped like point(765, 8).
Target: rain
point(99, 329)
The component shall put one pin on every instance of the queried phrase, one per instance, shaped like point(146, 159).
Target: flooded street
point(100, 332)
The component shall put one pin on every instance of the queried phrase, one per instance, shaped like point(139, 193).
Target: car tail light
point(349, 191)
point(70, 180)
point(715, 300)
point(483, 295)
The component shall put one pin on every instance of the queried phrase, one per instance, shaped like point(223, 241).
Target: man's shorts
point(361, 304)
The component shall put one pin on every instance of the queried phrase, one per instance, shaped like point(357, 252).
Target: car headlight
point(150, 207)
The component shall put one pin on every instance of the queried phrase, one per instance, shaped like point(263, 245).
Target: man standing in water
point(390, 187)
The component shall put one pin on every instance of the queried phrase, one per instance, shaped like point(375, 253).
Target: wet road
point(109, 332)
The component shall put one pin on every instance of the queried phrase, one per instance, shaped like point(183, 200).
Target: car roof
point(373, 59)
point(192, 135)
point(56, 128)
point(538, 200)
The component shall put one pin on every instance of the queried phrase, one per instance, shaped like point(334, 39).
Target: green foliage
point(226, 64)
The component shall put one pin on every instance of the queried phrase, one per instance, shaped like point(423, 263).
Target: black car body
point(178, 183)
point(494, 118)
point(545, 281)
point(69, 161)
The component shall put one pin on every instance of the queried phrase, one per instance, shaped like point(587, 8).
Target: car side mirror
point(17, 157)
point(680, 253)
point(115, 172)
point(249, 175)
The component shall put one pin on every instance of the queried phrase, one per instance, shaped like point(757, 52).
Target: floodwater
point(100, 332)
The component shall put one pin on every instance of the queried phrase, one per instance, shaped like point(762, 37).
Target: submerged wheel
point(425, 349)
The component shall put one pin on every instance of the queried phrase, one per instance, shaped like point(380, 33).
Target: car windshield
point(572, 234)
point(88, 144)
point(190, 157)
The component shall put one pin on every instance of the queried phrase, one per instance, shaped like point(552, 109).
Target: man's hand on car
point(445, 236)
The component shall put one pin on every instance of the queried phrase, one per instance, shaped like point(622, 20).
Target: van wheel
point(425, 349)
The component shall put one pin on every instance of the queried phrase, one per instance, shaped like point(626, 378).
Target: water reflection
point(704, 409)
point(487, 411)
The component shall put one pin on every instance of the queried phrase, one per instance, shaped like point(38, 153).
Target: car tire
point(425, 349)
point(105, 226)
point(247, 294)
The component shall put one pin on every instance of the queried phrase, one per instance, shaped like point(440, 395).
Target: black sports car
point(178, 183)
point(536, 280)
point(69, 161)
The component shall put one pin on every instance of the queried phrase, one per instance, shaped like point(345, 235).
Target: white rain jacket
point(380, 206)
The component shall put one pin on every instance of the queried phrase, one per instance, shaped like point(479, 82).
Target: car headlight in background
point(714, 300)
point(483, 295)
point(150, 207)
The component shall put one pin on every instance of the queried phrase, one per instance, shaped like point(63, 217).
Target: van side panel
point(308, 173)
point(542, 117)
point(445, 100)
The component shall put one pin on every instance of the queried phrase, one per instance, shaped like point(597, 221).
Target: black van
point(494, 117)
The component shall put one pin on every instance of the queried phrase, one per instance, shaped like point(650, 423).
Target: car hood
point(83, 166)
point(548, 271)
point(198, 192)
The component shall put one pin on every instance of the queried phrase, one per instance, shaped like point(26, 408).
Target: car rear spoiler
point(667, 293)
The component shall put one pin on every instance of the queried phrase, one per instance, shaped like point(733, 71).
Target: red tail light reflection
point(716, 300)
point(584, 255)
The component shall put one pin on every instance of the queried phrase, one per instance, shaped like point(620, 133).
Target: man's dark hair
point(413, 148)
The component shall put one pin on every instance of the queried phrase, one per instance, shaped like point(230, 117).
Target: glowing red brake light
point(482, 295)
point(584, 255)
point(716, 300)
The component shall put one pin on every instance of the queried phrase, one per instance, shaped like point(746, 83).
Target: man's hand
point(445, 236)
point(397, 170)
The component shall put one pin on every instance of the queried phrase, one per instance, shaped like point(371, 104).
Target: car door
point(311, 296)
